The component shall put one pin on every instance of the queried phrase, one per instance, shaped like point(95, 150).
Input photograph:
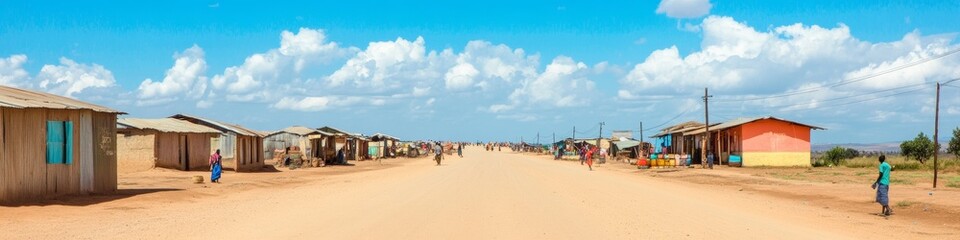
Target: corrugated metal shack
point(241, 148)
point(54, 145)
point(165, 142)
point(298, 136)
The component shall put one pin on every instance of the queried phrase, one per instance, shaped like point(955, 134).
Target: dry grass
point(856, 175)
point(905, 203)
point(947, 163)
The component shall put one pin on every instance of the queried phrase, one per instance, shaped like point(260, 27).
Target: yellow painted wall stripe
point(776, 159)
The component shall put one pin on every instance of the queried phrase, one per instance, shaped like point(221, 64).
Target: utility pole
point(641, 131)
point(706, 120)
point(538, 139)
point(600, 135)
point(936, 141)
point(574, 133)
point(642, 147)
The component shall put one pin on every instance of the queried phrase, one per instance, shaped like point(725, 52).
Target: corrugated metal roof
point(20, 98)
point(301, 130)
point(699, 130)
point(679, 128)
point(626, 144)
point(237, 129)
point(166, 125)
point(682, 125)
point(741, 121)
point(336, 131)
point(381, 135)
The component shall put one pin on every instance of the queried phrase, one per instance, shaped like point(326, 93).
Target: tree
point(920, 148)
point(835, 155)
point(849, 153)
point(954, 145)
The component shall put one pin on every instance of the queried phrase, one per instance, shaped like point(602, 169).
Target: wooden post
point(706, 117)
point(936, 142)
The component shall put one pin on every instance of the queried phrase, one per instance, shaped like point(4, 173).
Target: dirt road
point(485, 195)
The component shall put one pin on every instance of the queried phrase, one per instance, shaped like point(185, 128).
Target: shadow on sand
point(86, 200)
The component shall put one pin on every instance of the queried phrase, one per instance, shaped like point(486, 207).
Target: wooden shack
point(54, 145)
point(343, 141)
point(165, 142)
point(362, 145)
point(241, 148)
point(383, 145)
point(298, 136)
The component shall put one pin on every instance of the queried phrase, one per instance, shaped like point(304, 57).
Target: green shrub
point(920, 148)
point(835, 156)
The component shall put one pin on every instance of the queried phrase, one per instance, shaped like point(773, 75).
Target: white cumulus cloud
point(738, 59)
point(185, 79)
point(563, 83)
point(70, 78)
point(684, 8)
point(460, 76)
point(387, 65)
point(321, 103)
point(253, 80)
point(12, 72)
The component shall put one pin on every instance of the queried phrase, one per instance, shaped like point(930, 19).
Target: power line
point(853, 96)
point(671, 119)
point(848, 81)
point(588, 130)
point(791, 108)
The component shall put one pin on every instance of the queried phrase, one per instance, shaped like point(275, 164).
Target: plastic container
point(735, 161)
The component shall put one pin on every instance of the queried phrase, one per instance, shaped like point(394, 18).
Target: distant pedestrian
point(582, 150)
point(603, 156)
point(216, 167)
point(882, 185)
point(460, 150)
point(589, 157)
point(438, 151)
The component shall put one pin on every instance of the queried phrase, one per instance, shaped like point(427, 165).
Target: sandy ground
point(485, 195)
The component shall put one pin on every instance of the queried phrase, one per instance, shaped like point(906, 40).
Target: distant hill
point(869, 147)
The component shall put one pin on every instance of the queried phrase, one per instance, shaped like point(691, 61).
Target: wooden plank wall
point(85, 128)
point(23, 167)
point(6, 162)
point(105, 152)
point(167, 150)
point(199, 150)
point(249, 154)
point(61, 178)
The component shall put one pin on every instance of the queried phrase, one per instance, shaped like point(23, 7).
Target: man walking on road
point(882, 185)
point(438, 151)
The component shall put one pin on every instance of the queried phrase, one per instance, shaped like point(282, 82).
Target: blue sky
point(495, 70)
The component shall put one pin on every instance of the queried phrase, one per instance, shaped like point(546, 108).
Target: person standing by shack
point(882, 185)
point(216, 168)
